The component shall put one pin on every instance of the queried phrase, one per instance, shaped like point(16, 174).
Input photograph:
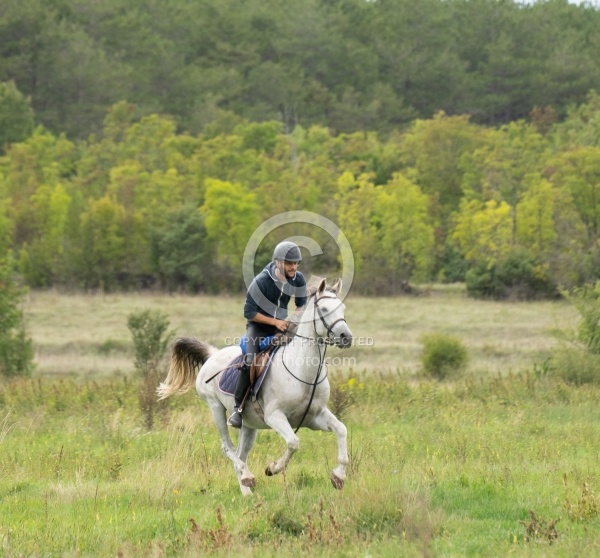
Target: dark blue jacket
point(270, 296)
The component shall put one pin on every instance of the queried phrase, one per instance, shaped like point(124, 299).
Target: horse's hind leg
point(328, 422)
point(243, 474)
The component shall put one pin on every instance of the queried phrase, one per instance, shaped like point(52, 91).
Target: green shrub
point(16, 348)
point(577, 360)
point(576, 366)
point(518, 276)
point(586, 301)
point(443, 355)
point(151, 338)
point(453, 265)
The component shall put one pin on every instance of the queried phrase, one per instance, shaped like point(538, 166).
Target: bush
point(575, 366)
point(16, 348)
point(578, 360)
point(453, 265)
point(586, 300)
point(443, 355)
point(151, 338)
point(517, 277)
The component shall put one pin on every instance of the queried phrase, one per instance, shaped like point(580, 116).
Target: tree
point(43, 160)
point(16, 115)
point(511, 160)
point(42, 262)
point(406, 232)
point(389, 231)
point(483, 230)
point(102, 248)
point(6, 223)
point(183, 254)
point(432, 149)
point(230, 217)
point(581, 127)
point(417, 54)
point(357, 218)
point(578, 170)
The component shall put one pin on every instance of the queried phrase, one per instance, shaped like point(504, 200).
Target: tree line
point(349, 65)
point(512, 210)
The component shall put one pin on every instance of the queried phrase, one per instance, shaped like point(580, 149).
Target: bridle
point(329, 340)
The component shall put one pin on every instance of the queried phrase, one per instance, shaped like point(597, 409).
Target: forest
point(348, 65)
point(143, 143)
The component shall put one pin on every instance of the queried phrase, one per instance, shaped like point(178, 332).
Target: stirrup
point(235, 420)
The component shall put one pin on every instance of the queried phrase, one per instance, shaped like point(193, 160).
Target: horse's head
point(328, 313)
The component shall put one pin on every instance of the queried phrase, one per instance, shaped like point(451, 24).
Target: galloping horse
point(294, 393)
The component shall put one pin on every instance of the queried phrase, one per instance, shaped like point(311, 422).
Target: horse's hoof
point(338, 483)
point(268, 471)
point(250, 482)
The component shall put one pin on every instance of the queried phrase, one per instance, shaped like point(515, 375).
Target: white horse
point(294, 392)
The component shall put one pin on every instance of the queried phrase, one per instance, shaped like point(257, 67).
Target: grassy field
point(87, 335)
point(503, 461)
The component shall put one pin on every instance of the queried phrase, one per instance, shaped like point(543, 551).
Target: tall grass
point(87, 335)
point(436, 470)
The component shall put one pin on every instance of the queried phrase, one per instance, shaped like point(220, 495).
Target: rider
point(266, 310)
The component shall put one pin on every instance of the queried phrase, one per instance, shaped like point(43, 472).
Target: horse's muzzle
point(344, 340)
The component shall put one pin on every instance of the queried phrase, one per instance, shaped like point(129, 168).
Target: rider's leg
point(242, 386)
point(253, 335)
point(244, 380)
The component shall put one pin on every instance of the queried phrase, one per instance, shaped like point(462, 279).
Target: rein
point(320, 342)
point(314, 389)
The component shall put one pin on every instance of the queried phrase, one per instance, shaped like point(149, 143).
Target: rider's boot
point(235, 420)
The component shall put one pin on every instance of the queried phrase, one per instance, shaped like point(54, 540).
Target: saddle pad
point(228, 380)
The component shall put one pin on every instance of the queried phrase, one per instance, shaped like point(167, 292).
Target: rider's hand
point(281, 325)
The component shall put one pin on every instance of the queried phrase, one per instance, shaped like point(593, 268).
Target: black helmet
point(287, 251)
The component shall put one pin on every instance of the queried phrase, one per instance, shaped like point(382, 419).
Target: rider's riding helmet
point(287, 251)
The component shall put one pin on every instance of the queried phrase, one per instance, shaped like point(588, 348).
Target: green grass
point(437, 469)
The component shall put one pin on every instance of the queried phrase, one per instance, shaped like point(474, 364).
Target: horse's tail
point(186, 355)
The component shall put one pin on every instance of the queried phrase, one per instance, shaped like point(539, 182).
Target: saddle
point(258, 370)
point(262, 360)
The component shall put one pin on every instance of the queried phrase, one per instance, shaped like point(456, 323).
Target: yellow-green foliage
point(97, 214)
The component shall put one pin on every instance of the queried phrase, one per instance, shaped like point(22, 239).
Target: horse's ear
point(321, 287)
point(337, 287)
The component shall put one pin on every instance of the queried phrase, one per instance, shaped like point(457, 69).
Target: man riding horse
point(265, 309)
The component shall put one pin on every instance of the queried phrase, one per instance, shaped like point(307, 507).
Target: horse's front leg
point(279, 423)
point(247, 439)
point(327, 421)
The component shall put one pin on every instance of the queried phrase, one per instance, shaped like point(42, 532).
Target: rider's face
point(288, 268)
